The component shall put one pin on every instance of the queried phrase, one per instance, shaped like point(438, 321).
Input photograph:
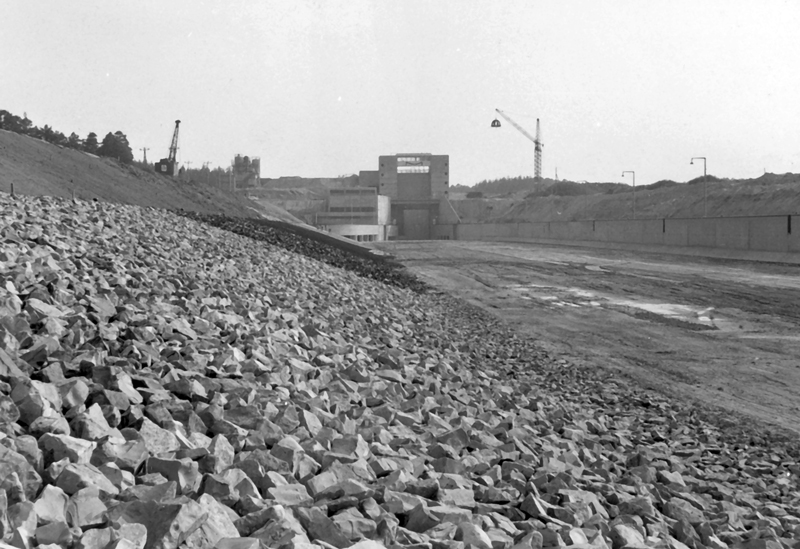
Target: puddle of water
point(526, 286)
point(581, 293)
point(663, 309)
point(672, 310)
point(578, 297)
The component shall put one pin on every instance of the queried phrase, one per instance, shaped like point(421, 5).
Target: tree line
point(114, 145)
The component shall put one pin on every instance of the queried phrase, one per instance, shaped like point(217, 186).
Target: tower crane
point(167, 165)
point(537, 141)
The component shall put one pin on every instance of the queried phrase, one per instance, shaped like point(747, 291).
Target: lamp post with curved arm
point(634, 189)
point(705, 183)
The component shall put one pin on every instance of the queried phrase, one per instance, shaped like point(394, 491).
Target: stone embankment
point(364, 264)
point(166, 383)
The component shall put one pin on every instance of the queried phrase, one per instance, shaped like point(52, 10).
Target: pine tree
point(115, 145)
point(91, 145)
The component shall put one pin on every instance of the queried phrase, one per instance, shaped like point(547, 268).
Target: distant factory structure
point(246, 171)
point(405, 199)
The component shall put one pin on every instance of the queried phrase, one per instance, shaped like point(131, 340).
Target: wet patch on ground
point(671, 314)
point(671, 321)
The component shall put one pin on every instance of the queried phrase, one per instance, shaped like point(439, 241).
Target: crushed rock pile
point(367, 265)
point(166, 384)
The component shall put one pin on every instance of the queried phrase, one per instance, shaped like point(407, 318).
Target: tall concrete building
point(416, 184)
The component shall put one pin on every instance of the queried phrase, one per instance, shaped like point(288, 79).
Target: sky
point(322, 88)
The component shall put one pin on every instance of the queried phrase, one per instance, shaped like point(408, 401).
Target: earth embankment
point(38, 168)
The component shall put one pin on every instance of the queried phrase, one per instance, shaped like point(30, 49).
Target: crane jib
point(537, 141)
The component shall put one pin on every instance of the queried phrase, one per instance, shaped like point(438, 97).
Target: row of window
point(407, 160)
point(413, 169)
point(351, 209)
point(446, 183)
point(362, 237)
point(352, 191)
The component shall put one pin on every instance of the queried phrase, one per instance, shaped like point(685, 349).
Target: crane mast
point(173, 148)
point(167, 165)
point(537, 142)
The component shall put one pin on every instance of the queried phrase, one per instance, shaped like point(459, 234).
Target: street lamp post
point(705, 183)
point(634, 189)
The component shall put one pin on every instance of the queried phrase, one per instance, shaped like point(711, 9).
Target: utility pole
point(705, 183)
point(144, 150)
point(634, 189)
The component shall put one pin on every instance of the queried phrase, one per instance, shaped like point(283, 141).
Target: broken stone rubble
point(168, 384)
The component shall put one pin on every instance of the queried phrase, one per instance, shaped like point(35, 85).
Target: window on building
point(413, 164)
point(413, 169)
point(367, 209)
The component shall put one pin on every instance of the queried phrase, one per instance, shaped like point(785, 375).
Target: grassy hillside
point(37, 168)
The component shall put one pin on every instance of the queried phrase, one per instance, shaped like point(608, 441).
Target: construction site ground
point(723, 335)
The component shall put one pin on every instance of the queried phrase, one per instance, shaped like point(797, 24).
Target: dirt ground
point(724, 335)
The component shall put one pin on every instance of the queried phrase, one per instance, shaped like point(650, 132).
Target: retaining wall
point(777, 233)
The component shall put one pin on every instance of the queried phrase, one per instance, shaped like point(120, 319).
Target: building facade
point(405, 198)
point(358, 213)
point(417, 183)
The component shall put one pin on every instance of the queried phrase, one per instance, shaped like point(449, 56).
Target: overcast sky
point(322, 88)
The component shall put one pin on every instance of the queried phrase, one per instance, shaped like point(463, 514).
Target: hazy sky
point(322, 88)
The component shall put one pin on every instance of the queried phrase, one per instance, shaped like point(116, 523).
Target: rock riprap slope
point(374, 267)
point(165, 384)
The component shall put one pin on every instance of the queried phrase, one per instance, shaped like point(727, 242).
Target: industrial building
point(417, 184)
point(358, 213)
point(246, 172)
point(405, 198)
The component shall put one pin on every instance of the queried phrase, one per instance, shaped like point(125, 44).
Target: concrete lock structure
point(771, 237)
point(410, 189)
point(416, 183)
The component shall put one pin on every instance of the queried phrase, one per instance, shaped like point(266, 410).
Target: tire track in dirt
point(619, 311)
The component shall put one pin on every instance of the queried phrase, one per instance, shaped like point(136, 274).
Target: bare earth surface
point(719, 334)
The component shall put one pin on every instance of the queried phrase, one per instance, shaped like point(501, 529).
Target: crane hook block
point(495, 123)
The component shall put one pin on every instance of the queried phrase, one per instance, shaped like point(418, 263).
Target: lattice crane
point(167, 165)
point(537, 141)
